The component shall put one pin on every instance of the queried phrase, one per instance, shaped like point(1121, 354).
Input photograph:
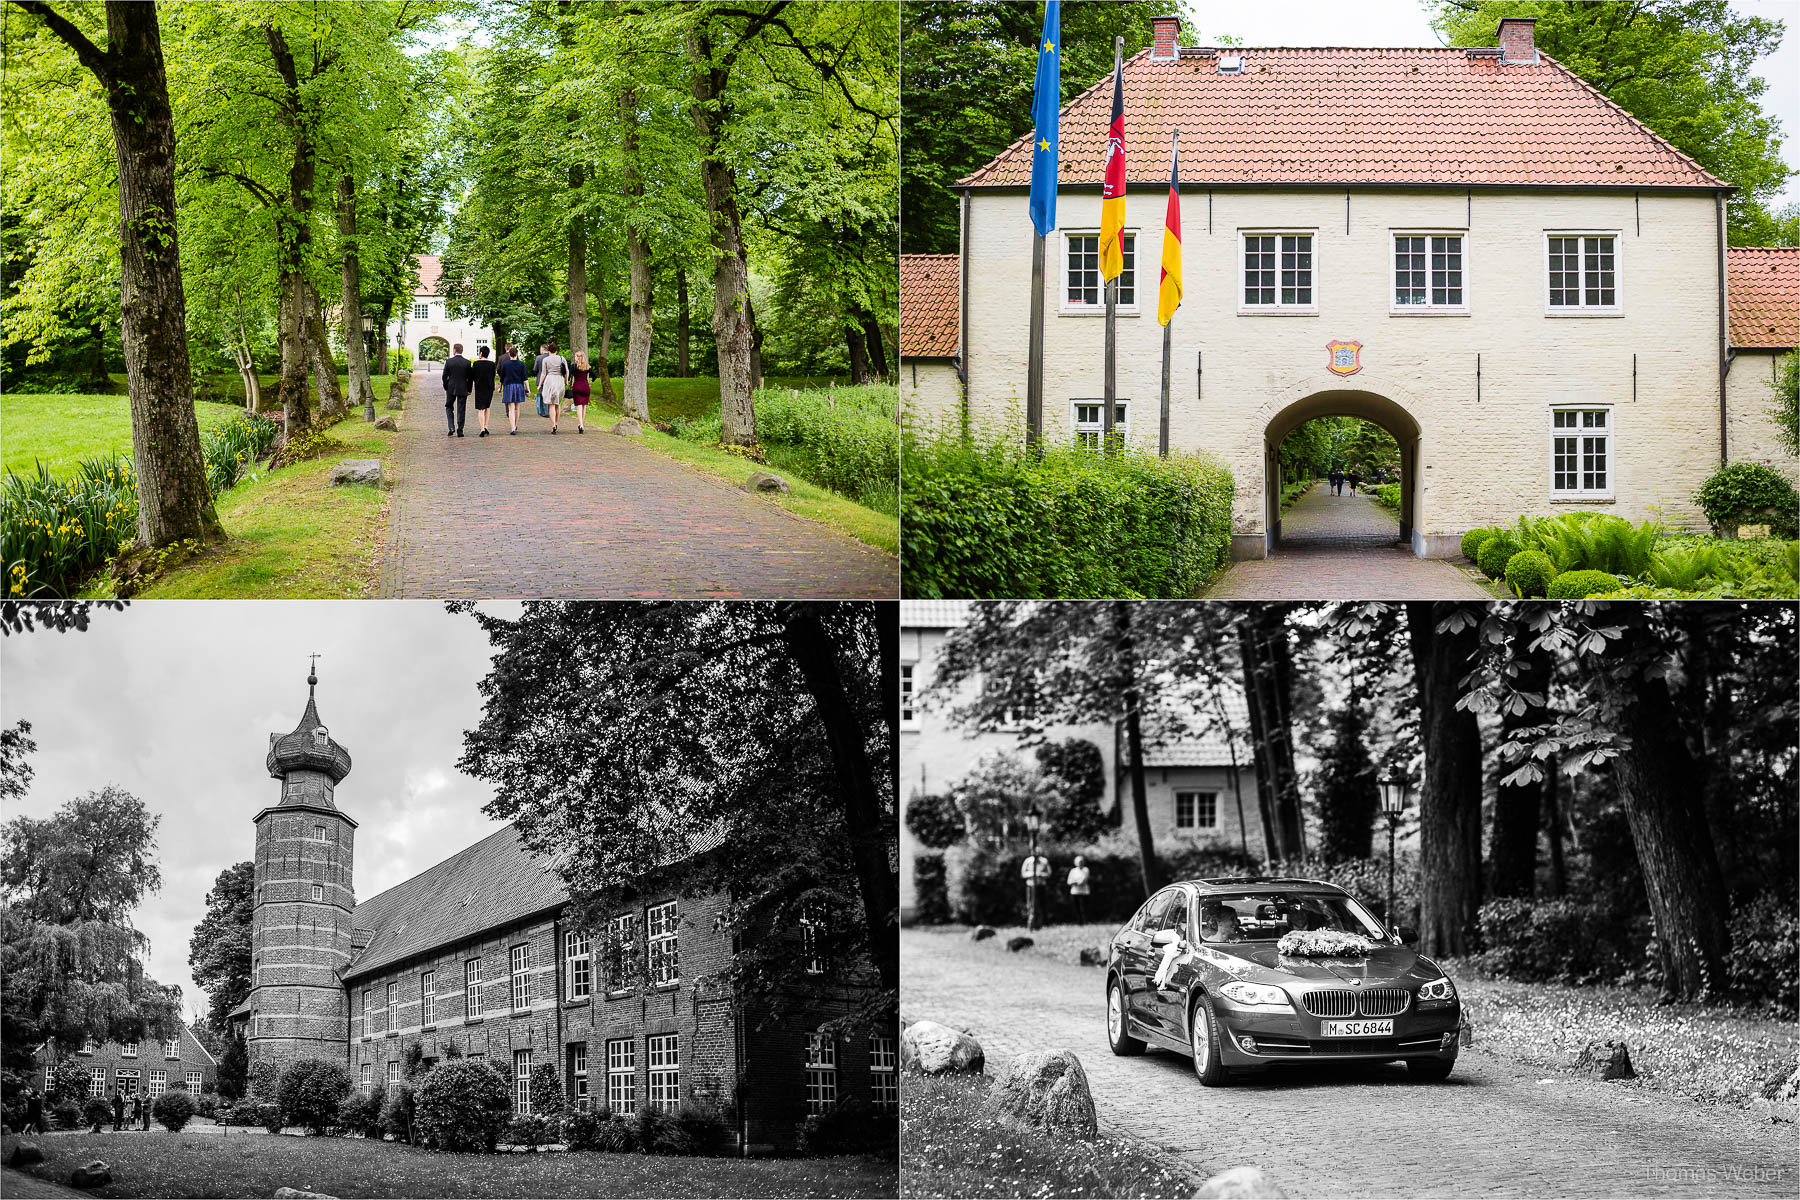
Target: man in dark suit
point(456, 390)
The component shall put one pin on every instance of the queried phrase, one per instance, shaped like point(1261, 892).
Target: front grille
point(1343, 1002)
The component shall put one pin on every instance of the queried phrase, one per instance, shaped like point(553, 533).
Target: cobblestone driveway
point(1491, 1130)
point(594, 515)
point(1342, 548)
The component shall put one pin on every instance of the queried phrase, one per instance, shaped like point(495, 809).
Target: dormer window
point(1231, 64)
point(321, 737)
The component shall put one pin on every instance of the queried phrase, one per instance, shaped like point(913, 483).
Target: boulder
point(627, 427)
point(1239, 1183)
point(93, 1175)
point(1047, 1089)
point(1093, 956)
point(1016, 944)
point(1605, 1060)
point(762, 481)
point(357, 470)
point(24, 1154)
point(936, 1049)
point(389, 424)
point(981, 933)
point(287, 1193)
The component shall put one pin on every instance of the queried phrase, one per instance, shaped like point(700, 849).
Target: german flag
point(1112, 195)
point(1169, 298)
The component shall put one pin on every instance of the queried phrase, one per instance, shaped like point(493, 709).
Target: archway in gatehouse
point(433, 350)
point(1348, 521)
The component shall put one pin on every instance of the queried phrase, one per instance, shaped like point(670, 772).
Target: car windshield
point(1265, 916)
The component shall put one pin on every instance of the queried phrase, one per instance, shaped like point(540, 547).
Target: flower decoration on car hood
point(1324, 943)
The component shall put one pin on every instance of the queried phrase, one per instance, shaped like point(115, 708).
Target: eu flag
point(1046, 108)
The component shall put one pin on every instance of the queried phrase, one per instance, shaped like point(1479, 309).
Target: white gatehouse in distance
point(426, 319)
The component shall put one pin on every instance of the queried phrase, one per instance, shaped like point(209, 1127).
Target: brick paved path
point(1342, 548)
point(594, 516)
point(1491, 1130)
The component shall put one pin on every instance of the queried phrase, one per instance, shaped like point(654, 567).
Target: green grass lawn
point(199, 1162)
point(688, 399)
point(60, 431)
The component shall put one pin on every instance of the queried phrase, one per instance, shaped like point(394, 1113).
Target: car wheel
point(1430, 1070)
point(1122, 1043)
point(1203, 1044)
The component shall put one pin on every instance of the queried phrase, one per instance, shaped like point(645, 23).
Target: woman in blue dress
point(512, 386)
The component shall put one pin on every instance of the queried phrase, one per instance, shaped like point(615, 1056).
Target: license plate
point(1359, 1029)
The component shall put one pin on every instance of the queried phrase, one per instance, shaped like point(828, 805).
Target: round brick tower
point(300, 931)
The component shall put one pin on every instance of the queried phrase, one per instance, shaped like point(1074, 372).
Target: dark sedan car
point(1201, 969)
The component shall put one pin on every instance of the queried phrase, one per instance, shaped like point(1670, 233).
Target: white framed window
point(522, 1082)
point(319, 834)
point(1582, 273)
point(393, 1073)
point(390, 1012)
point(814, 952)
point(1429, 273)
point(579, 966)
point(1086, 417)
point(96, 1081)
point(1581, 453)
point(318, 892)
point(660, 921)
point(421, 311)
point(365, 1079)
point(428, 998)
point(364, 1027)
point(1279, 273)
point(1083, 292)
point(157, 1084)
point(821, 1074)
point(172, 1048)
point(621, 1076)
point(195, 1082)
point(884, 1083)
point(665, 1071)
point(1196, 810)
point(472, 987)
point(907, 714)
point(621, 952)
point(127, 1080)
point(521, 976)
point(578, 1072)
point(128, 1050)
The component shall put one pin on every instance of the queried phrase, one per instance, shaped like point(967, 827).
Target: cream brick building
point(1469, 247)
point(1765, 327)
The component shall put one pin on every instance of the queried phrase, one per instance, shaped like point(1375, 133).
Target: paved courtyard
point(594, 515)
point(1342, 548)
point(1493, 1129)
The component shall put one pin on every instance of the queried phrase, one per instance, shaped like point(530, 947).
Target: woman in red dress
point(578, 391)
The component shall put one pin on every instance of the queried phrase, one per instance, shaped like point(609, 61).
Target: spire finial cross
point(312, 675)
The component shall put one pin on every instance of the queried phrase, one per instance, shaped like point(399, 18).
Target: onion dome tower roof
point(309, 746)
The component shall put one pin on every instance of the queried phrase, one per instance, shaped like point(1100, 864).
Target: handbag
point(543, 409)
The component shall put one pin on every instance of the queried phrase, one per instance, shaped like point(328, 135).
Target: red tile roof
point(1358, 116)
point(429, 270)
point(1764, 286)
point(930, 303)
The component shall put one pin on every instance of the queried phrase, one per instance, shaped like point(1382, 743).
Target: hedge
point(983, 886)
point(311, 1091)
point(1529, 572)
point(463, 1104)
point(984, 519)
point(1579, 585)
point(931, 901)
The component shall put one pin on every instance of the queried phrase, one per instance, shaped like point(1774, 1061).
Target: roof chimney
point(1167, 32)
point(1518, 43)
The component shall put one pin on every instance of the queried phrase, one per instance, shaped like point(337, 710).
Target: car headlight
point(1439, 989)
point(1255, 995)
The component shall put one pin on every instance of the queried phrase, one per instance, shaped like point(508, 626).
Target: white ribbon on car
point(1167, 967)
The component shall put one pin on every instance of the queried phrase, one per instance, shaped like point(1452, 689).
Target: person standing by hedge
point(118, 1107)
point(1078, 889)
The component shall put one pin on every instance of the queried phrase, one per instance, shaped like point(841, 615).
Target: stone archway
point(432, 349)
point(1340, 402)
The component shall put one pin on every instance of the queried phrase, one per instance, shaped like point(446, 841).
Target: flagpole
point(1034, 380)
point(1162, 435)
point(1111, 391)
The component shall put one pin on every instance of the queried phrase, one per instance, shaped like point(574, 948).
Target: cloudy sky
point(174, 701)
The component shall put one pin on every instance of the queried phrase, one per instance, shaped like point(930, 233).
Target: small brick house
point(149, 1068)
point(479, 956)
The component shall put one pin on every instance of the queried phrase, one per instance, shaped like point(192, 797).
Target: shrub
point(270, 1115)
point(1745, 493)
point(1366, 879)
point(846, 439)
point(852, 1127)
point(66, 1114)
point(1388, 496)
point(68, 1081)
point(934, 819)
point(311, 1091)
point(311, 443)
point(174, 1109)
point(525, 1131)
point(547, 1097)
point(616, 1133)
point(244, 1112)
point(96, 1112)
point(1591, 542)
point(1579, 585)
point(659, 1132)
point(371, 1126)
point(985, 519)
point(1472, 540)
point(1765, 953)
point(581, 1130)
point(983, 885)
point(207, 1104)
point(1529, 572)
point(1551, 941)
point(398, 1113)
point(703, 1129)
point(1494, 554)
point(230, 449)
point(932, 902)
point(463, 1105)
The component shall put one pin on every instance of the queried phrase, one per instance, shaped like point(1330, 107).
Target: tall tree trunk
point(356, 357)
point(293, 228)
point(381, 340)
point(578, 293)
point(731, 320)
point(859, 357)
point(1512, 866)
point(298, 409)
point(1259, 750)
point(637, 345)
point(876, 341)
point(1257, 643)
point(682, 369)
point(756, 332)
point(174, 501)
point(1674, 844)
point(318, 339)
point(1553, 828)
point(1450, 801)
point(1134, 741)
point(603, 364)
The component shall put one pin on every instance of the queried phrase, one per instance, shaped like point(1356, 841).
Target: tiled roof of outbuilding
point(1368, 116)
point(1764, 286)
point(933, 614)
point(930, 296)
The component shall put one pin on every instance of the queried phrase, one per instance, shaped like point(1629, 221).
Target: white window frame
point(318, 893)
point(172, 1048)
point(1080, 429)
point(428, 998)
point(664, 1053)
point(472, 989)
point(390, 1010)
point(128, 1049)
point(821, 1074)
point(909, 713)
point(519, 958)
point(393, 1072)
point(421, 316)
point(96, 1081)
point(123, 1076)
point(1279, 309)
point(579, 965)
point(1195, 795)
point(884, 1080)
point(367, 1027)
point(1584, 309)
point(578, 1073)
point(365, 1082)
point(621, 1075)
point(196, 1082)
point(155, 1083)
point(1429, 309)
point(319, 834)
point(662, 923)
point(1579, 433)
point(1068, 308)
point(522, 1082)
point(621, 952)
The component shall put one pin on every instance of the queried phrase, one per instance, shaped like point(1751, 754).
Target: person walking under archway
point(512, 387)
point(481, 376)
point(1353, 478)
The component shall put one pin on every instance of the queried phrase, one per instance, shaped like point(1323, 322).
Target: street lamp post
point(1034, 820)
point(1394, 788)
